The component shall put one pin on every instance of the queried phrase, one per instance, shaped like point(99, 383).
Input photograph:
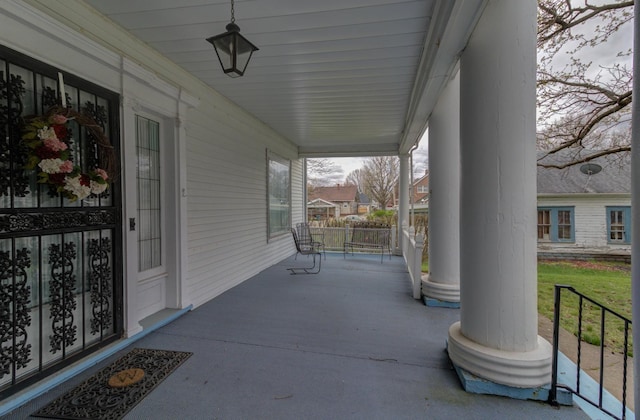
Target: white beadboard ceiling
point(336, 77)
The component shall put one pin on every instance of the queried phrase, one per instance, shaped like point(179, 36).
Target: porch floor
point(348, 343)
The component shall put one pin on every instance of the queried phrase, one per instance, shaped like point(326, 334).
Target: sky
point(344, 166)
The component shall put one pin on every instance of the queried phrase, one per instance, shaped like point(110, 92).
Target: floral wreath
point(48, 140)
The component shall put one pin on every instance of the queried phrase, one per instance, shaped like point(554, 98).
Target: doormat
point(115, 390)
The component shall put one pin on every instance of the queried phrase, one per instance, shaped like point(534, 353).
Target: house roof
point(614, 177)
point(335, 194)
point(319, 203)
point(363, 198)
point(424, 179)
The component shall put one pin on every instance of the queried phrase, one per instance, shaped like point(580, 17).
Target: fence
point(334, 237)
point(576, 386)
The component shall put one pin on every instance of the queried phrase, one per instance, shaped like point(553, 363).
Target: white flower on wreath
point(98, 188)
point(55, 166)
point(47, 133)
point(75, 187)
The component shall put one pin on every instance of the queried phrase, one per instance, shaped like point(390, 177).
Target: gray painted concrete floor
point(348, 343)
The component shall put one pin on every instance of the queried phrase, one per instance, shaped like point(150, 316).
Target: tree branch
point(572, 17)
point(584, 159)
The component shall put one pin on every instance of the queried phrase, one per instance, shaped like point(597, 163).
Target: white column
point(635, 195)
point(443, 281)
point(403, 191)
point(497, 336)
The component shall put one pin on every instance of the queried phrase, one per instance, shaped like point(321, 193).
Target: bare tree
point(357, 178)
point(323, 172)
point(583, 107)
point(380, 177)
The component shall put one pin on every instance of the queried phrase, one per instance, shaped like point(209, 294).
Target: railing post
point(624, 370)
point(553, 395)
point(417, 266)
point(600, 402)
point(602, 320)
point(395, 234)
point(346, 238)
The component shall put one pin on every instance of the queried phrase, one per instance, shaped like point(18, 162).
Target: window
point(278, 195)
point(149, 216)
point(555, 224)
point(423, 189)
point(619, 225)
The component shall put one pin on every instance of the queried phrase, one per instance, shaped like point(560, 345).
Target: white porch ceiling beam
point(450, 29)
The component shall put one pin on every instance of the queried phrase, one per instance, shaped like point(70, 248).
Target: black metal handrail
point(556, 333)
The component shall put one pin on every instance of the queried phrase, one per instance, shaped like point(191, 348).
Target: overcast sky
point(348, 165)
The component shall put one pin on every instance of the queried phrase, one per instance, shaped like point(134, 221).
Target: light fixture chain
point(233, 18)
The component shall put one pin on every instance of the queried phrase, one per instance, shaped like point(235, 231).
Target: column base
point(476, 385)
point(440, 294)
point(437, 303)
point(530, 369)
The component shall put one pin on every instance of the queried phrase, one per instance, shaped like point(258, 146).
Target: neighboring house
point(420, 194)
point(320, 209)
point(345, 196)
point(364, 204)
point(421, 189)
point(586, 208)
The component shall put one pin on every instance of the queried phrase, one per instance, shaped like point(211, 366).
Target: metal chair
point(305, 249)
point(306, 238)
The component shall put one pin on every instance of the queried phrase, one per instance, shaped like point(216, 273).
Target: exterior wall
point(590, 220)
point(220, 163)
point(227, 211)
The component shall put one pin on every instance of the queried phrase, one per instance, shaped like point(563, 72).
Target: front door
point(60, 238)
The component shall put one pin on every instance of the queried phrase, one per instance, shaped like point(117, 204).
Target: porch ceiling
point(336, 77)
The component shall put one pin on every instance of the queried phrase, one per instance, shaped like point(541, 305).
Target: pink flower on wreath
point(54, 144)
point(102, 173)
point(66, 167)
point(58, 119)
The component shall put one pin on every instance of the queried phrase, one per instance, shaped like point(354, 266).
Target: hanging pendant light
point(234, 51)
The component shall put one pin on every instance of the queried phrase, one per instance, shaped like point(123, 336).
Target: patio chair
point(306, 238)
point(304, 249)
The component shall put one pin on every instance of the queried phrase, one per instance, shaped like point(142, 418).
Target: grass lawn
point(607, 283)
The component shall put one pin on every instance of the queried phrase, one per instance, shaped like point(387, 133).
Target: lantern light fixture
point(233, 50)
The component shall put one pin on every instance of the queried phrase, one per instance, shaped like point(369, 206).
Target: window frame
point(626, 212)
point(554, 224)
point(284, 226)
point(160, 268)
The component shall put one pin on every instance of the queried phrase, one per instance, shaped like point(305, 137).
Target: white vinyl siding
point(227, 210)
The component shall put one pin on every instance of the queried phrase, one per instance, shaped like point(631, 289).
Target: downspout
point(411, 196)
point(305, 195)
point(635, 195)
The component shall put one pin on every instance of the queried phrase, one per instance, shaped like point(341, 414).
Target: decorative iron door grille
point(60, 260)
